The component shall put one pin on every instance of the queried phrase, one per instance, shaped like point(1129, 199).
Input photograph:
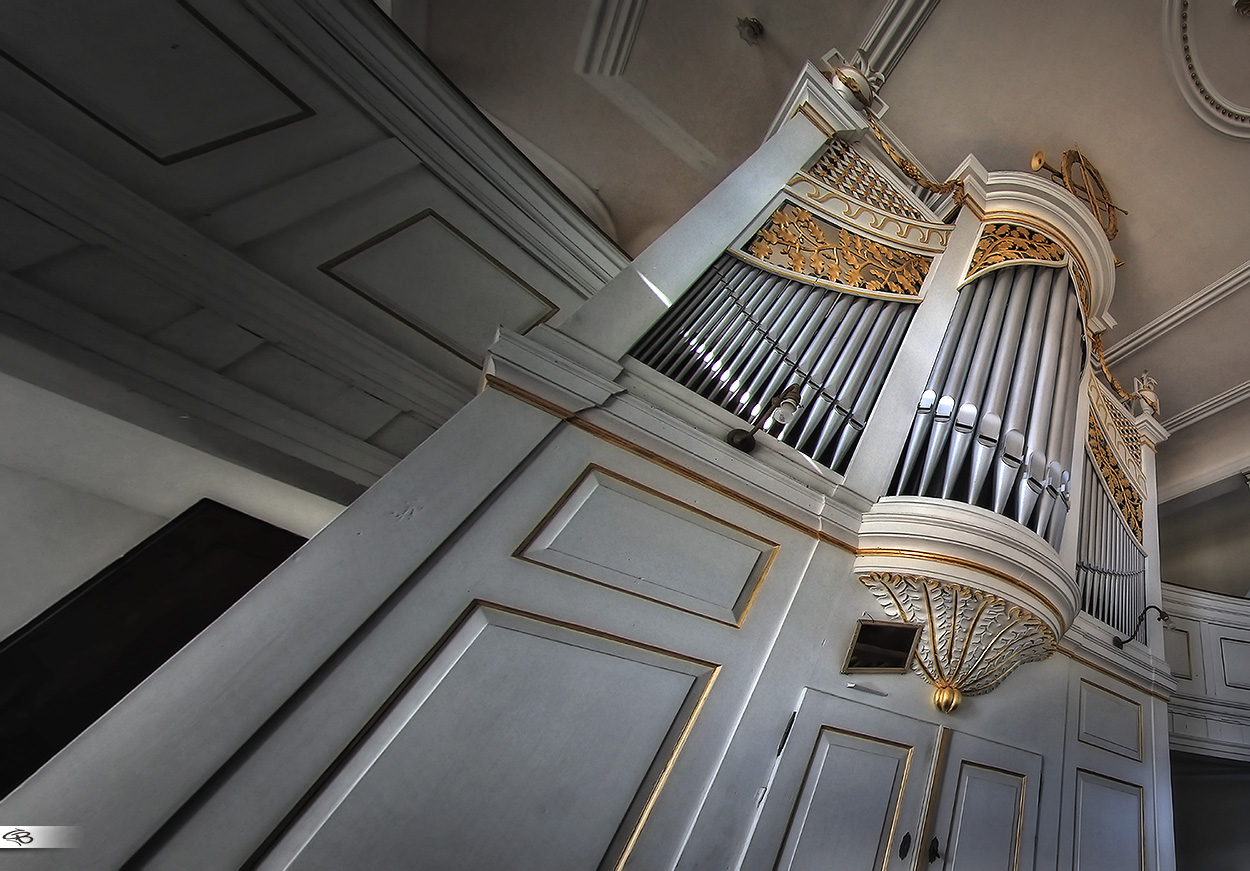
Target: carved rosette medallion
point(795, 241)
point(971, 640)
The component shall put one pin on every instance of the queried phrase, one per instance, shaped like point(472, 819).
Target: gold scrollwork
point(796, 240)
point(1004, 243)
point(931, 236)
point(1122, 434)
point(1119, 487)
point(841, 166)
point(970, 640)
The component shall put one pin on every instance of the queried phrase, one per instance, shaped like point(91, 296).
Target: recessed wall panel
point(1235, 654)
point(985, 831)
point(153, 71)
point(1110, 721)
point(621, 534)
point(431, 276)
point(1109, 824)
point(522, 744)
point(848, 803)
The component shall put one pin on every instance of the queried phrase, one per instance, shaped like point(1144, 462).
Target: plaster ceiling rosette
point(1206, 51)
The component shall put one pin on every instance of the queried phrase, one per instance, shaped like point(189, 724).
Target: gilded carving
point(1119, 487)
point(1121, 432)
point(843, 168)
point(1004, 243)
point(971, 640)
point(840, 204)
point(796, 240)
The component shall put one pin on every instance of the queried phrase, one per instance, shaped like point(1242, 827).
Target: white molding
point(66, 192)
point(602, 56)
point(1217, 291)
point(82, 338)
point(1012, 193)
point(813, 90)
point(1214, 405)
point(1216, 110)
point(965, 544)
point(893, 31)
point(367, 56)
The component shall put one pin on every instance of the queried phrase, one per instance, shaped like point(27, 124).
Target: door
point(848, 791)
point(986, 813)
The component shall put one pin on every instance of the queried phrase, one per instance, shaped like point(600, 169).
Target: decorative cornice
point(1196, 87)
point(970, 640)
point(1214, 405)
point(1238, 279)
point(362, 52)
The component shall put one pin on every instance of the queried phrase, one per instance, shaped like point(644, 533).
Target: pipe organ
point(743, 333)
point(994, 425)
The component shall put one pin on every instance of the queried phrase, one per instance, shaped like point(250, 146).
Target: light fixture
point(750, 29)
point(1162, 618)
point(781, 408)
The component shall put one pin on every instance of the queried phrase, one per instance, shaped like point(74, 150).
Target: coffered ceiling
point(651, 104)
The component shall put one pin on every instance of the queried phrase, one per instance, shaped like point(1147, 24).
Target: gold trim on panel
point(1081, 709)
point(879, 218)
point(805, 109)
point(769, 552)
point(1148, 690)
point(527, 397)
point(1141, 806)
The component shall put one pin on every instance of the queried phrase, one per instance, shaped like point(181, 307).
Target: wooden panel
point(521, 744)
point(155, 72)
point(616, 532)
point(848, 804)
point(987, 806)
point(1110, 721)
point(1109, 824)
point(1177, 650)
point(1235, 655)
point(989, 809)
point(849, 788)
point(434, 278)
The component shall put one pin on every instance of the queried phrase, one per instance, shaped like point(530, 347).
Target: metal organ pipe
point(1043, 398)
point(990, 429)
point(974, 386)
point(868, 394)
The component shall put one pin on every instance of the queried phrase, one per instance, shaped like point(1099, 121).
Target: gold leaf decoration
point(1119, 487)
point(841, 165)
point(970, 640)
point(1003, 243)
point(799, 242)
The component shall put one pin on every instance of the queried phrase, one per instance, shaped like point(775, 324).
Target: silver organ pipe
point(1110, 563)
point(997, 416)
point(742, 333)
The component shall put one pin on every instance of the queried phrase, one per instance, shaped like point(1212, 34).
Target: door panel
point(986, 814)
point(849, 784)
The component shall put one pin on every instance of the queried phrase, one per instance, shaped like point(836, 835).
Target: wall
point(79, 488)
point(1210, 797)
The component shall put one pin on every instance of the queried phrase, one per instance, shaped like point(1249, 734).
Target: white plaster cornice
point(1193, 79)
point(365, 54)
point(1212, 406)
point(1195, 305)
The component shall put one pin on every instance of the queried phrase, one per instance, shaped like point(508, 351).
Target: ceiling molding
point(602, 56)
point(1194, 81)
point(1206, 409)
point(362, 52)
point(893, 32)
point(1213, 293)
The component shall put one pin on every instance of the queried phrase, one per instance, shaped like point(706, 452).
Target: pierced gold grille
point(841, 166)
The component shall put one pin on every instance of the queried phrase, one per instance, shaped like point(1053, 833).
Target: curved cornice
point(1021, 197)
point(1195, 83)
point(963, 544)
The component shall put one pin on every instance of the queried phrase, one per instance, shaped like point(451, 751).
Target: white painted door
point(986, 813)
point(849, 790)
